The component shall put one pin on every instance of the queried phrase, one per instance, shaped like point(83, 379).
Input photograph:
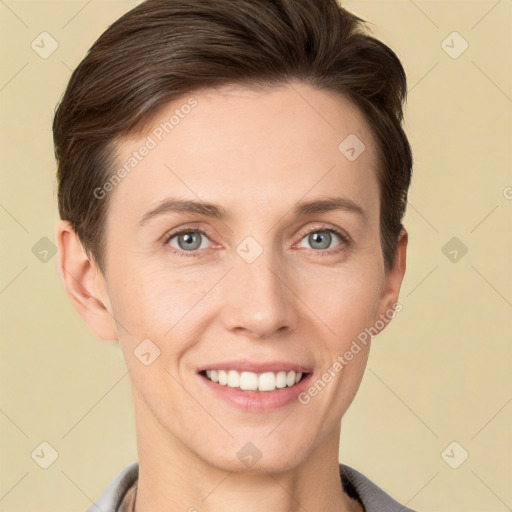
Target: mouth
point(256, 386)
point(251, 381)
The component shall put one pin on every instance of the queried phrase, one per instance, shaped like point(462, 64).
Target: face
point(245, 241)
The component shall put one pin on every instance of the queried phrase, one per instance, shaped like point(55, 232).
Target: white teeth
point(281, 379)
point(233, 379)
point(223, 377)
point(249, 381)
point(267, 381)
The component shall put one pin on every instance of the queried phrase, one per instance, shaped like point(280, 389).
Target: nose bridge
point(257, 299)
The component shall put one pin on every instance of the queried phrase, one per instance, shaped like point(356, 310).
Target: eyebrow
point(302, 209)
point(171, 205)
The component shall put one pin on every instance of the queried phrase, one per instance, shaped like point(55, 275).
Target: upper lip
point(256, 366)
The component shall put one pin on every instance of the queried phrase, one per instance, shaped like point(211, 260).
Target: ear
point(84, 282)
point(388, 302)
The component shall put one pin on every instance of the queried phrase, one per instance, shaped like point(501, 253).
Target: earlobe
point(84, 283)
point(393, 281)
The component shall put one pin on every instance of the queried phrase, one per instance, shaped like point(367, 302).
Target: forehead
point(248, 147)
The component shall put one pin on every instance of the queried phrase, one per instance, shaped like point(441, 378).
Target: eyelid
point(189, 227)
point(345, 240)
point(187, 254)
point(326, 227)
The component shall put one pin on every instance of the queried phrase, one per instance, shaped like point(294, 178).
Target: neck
point(173, 477)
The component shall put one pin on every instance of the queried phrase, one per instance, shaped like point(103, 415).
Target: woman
point(232, 180)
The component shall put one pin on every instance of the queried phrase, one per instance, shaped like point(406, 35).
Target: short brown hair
point(163, 49)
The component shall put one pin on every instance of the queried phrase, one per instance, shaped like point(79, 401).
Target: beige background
point(440, 373)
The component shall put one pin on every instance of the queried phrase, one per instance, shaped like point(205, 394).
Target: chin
point(259, 456)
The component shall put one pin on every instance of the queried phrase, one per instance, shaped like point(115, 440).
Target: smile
point(250, 381)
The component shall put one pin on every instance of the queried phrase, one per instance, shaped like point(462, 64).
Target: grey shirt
point(355, 484)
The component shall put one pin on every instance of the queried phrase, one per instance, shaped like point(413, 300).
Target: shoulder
point(372, 497)
point(113, 495)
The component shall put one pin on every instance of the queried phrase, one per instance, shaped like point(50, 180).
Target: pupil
point(321, 239)
point(190, 239)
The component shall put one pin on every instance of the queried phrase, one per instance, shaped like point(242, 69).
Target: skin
point(256, 154)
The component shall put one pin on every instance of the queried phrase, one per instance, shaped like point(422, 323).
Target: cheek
point(153, 302)
point(346, 300)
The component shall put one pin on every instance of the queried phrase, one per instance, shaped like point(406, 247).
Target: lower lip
point(258, 401)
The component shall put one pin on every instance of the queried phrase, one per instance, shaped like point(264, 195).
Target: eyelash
point(345, 240)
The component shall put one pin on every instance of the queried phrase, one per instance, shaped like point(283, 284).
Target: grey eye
point(321, 239)
point(188, 241)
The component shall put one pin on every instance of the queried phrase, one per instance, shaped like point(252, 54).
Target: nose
point(259, 301)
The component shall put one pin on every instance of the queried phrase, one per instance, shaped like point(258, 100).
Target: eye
point(188, 240)
point(321, 239)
